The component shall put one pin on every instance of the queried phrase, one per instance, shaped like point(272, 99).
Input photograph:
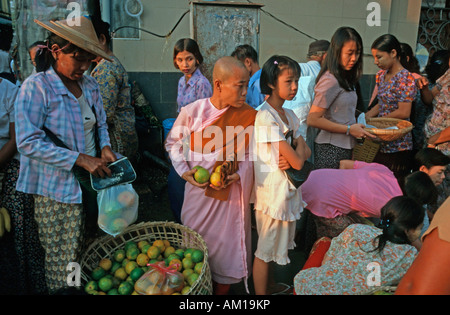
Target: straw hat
point(82, 36)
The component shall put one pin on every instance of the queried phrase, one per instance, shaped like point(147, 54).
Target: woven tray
point(388, 135)
point(178, 235)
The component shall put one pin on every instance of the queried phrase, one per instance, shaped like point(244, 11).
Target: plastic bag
point(160, 280)
point(117, 208)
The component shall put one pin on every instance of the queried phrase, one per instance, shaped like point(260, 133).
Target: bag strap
point(54, 138)
point(61, 144)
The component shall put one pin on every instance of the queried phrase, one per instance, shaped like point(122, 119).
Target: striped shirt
point(46, 169)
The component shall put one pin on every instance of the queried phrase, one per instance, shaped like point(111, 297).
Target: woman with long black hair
point(334, 106)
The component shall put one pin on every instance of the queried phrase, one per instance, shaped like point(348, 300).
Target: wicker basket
point(388, 135)
point(366, 151)
point(178, 235)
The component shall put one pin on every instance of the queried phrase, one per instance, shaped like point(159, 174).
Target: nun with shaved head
point(210, 133)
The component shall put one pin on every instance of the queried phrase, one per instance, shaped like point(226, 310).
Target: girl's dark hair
point(189, 45)
point(347, 79)
point(272, 70)
point(399, 215)
point(388, 43)
point(409, 61)
point(44, 58)
point(101, 28)
point(421, 188)
point(438, 65)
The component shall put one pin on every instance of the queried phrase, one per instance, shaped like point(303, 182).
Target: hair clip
point(275, 62)
point(385, 223)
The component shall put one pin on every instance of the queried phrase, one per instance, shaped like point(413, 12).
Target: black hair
point(409, 61)
point(245, 51)
point(347, 79)
point(272, 70)
point(399, 215)
point(388, 43)
point(190, 45)
point(430, 157)
point(44, 58)
point(101, 28)
point(6, 37)
point(438, 65)
point(421, 188)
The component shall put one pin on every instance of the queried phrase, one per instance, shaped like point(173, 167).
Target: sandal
point(288, 289)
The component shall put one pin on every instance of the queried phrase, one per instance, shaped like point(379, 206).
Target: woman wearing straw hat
point(61, 127)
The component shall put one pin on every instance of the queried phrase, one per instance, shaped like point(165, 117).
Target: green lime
point(125, 288)
point(105, 284)
point(98, 273)
point(113, 292)
point(136, 274)
point(119, 255)
point(90, 287)
point(197, 256)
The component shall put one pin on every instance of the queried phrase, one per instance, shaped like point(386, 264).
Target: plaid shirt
point(45, 169)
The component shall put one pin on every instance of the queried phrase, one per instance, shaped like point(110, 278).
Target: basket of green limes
point(113, 265)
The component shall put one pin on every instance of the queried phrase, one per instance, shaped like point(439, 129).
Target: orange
point(142, 260)
point(187, 272)
point(119, 255)
point(153, 252)
point(192, 278)
point(130, 266)
point(121, 274)
point(215, 179)
point(105, 263)
point(177, 262)
point(185, 290)
point(166, 243)
point(141, 244)
point(188, 263)
point(169, 251)
point(160, 245)
point(198, 267)
point(202, 175)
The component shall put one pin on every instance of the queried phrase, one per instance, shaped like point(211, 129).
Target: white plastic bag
point(117, 208)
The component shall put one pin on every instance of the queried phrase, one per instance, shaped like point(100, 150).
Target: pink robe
point(224, 225)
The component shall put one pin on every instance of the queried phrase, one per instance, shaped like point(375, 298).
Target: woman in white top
point(278, 203)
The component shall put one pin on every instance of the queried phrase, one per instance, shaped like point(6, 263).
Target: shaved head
point(230, 83)
point(226, 67)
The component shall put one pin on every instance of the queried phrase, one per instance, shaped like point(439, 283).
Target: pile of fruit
point(119, 274)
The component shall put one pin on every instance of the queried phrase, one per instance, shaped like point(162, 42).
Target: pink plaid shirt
point(46, 169)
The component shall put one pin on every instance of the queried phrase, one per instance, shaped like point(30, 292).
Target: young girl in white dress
point(277, 202)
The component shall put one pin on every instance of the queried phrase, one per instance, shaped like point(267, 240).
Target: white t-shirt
point(8, 94)
point(89, 122)
point(274, 194)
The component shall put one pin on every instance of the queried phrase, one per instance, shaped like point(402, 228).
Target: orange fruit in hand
point(202, 175)
point(215, 179)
